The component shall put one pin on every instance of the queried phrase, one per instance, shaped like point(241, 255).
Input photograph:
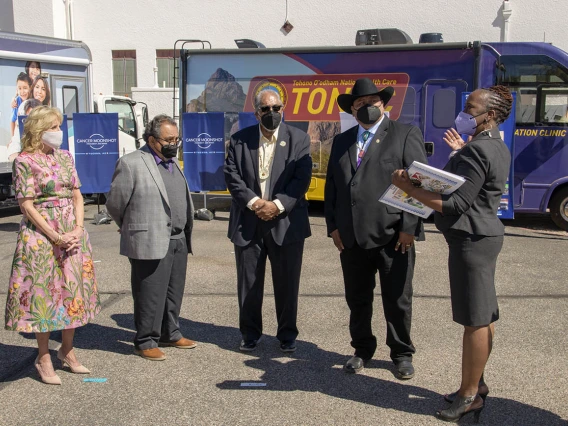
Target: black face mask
point(368, 114)
point(169, 151)
point(271, 120)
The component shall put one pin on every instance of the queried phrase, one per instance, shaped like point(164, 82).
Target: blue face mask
point(465, 123)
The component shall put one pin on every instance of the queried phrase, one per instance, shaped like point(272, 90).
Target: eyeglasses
point(172, 141)
point(265, 109)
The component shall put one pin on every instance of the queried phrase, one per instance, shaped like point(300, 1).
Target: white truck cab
point(132, 119)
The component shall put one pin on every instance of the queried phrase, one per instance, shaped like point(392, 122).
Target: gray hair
point(153, 128)
point(259, 95)
point(27, 104)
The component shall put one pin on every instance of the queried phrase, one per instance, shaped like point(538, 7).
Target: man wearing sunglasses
point(150, 202)
point(268, 171)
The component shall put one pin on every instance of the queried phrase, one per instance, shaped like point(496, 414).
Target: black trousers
point(395, 272)
point(286, 264)
point(157, 290)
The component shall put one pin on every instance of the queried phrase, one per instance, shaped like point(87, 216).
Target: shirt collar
point(372, 130)
point(157, 158)
point(274, 135)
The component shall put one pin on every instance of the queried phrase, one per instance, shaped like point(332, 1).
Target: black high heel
point(482, 391)
point(462, 406)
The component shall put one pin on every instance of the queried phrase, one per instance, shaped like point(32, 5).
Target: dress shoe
point(47, 373)
point(288, 346)
point(404, 370)
point(355, 364)
point(74, 365)
point(462, 406)
point(152, 354)
point(182, 343)
point(248, 345)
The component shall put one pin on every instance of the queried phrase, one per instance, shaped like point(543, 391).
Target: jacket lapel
point(375, 145)
point(252, 143)
point(352, 139)
point(148, 159)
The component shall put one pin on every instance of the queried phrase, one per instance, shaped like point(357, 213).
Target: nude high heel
point(75, 367)
point(45, 374)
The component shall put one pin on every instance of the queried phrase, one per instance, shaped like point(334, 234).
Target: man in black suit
point(372, 236)
point(268, 171)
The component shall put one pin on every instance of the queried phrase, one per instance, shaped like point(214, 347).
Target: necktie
point(365, 136)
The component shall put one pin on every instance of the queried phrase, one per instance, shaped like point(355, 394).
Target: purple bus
point(429, 82)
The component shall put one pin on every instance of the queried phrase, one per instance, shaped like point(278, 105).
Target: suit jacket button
point(353, 203)
point(352, 183)
point(169, 224)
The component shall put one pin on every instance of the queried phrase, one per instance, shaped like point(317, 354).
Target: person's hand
point(268, 211)
point(14, 103)
point(70, 241)
point(405, 242)
point(453, 139)
point(337, 240)
point(400, 179)
point(258, 204)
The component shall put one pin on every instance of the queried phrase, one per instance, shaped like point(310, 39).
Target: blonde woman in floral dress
point(52, 283)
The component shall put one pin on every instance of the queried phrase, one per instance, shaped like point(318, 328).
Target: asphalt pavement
point(216, 384)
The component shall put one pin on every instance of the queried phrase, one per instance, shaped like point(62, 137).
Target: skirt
point(471, 263)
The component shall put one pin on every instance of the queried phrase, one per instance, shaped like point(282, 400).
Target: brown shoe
point(153, 354)
point(182, 343)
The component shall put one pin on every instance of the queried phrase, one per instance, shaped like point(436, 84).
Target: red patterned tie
point(365, 136)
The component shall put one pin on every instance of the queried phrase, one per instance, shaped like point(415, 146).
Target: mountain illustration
point(222, 94)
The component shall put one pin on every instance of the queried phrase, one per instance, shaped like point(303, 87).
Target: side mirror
point(145, 116)
point(429, 147)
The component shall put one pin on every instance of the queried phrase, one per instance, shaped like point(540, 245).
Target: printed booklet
point(422, 176)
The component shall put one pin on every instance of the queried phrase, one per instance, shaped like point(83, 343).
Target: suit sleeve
point(471, 166)
point(235, 184)
point(330, 195)
point(300, 182)
point(413, 151)
point(120, 192)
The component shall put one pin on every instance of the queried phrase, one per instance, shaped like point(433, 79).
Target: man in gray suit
point(268, 171)
point(150, 201)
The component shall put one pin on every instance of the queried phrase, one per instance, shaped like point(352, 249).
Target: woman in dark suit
point(468, 220)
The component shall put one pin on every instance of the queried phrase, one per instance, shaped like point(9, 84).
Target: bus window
point(408, 107)
point(444, 108)
point(526, 105)
point(554, 105)
point(70, 100)
point(523, 74)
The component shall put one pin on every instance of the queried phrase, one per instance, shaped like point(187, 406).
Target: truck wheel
point(559, 208)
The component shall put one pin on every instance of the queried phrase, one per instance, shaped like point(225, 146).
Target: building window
point(165, 60)
point(123, 71)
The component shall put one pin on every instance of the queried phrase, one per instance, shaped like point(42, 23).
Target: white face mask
point(53, 139)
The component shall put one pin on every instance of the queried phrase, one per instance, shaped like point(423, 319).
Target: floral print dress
point(49, 289)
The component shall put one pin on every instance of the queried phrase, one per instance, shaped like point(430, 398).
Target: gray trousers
point(157, 290)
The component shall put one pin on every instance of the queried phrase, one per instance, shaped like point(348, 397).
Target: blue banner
point(507, 128)
point(64, 129)
point(247, 119)
point(96, 150)
point(204, 150)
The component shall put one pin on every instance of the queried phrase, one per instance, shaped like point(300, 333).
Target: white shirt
point(362, 145)
point(266, 151)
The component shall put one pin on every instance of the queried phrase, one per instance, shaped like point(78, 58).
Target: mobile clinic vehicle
point(429, 80)
point(65, 66)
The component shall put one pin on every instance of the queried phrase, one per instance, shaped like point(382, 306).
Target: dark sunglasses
point(275, 108)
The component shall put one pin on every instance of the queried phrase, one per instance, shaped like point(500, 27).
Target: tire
point(558, 206)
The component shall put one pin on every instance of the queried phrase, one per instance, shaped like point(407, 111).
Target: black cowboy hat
point(363, 87)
